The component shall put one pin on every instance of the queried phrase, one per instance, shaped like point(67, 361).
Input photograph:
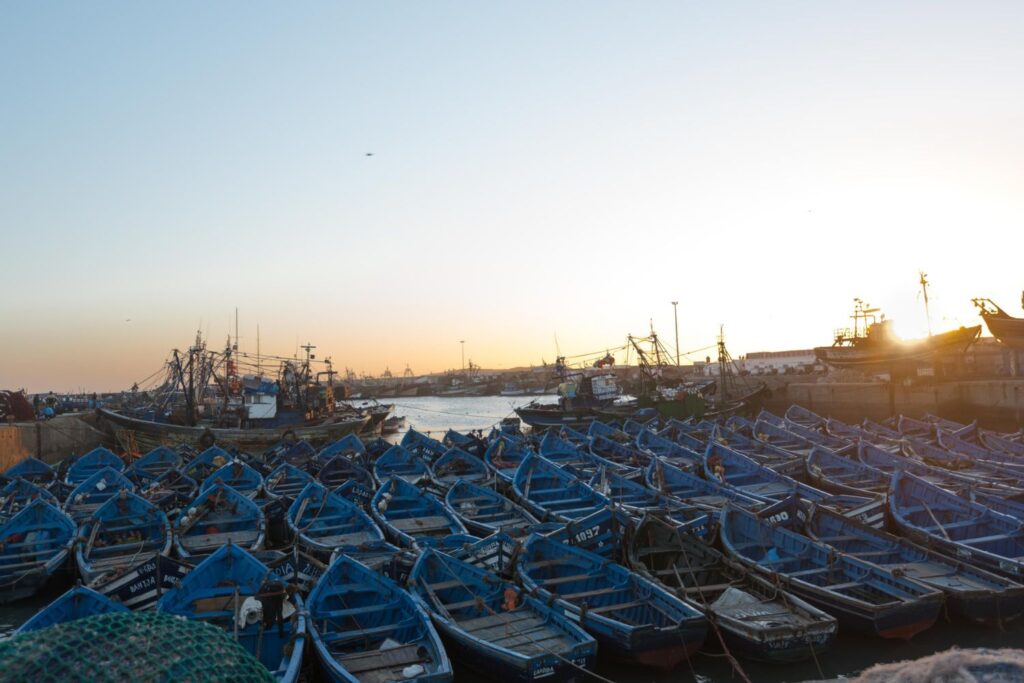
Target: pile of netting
point(143, 646)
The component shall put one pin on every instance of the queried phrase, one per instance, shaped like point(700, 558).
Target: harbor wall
point(51, 440)
point(995, 403)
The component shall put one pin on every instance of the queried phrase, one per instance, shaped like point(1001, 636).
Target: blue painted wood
point(491, 627)
point(457, 464)
point(125, 530)
point(354, 610)
point(90, 494)
point(402, 463)
point(87, 465)
point(551, 493)
point(324, 522)
point(217, 516)
point(238, 475)
point(77, 603)
point(34, 545)
point(411, 517)
point(484, 511)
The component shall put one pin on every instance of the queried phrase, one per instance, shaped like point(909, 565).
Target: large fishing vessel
point(1002, 325)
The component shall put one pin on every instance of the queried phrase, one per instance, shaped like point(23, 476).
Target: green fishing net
point(142, 646)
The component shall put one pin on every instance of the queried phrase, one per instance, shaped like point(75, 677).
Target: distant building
point(780, 362)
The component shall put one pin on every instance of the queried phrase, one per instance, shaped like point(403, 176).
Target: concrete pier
point(50, 440)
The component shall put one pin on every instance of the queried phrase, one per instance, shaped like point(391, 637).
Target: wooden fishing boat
point(632, 618)
point(971, 593)
point(669, 451)
point(32, 470)
point(296, 453)
point(1001, 443)
point(693, 490)
point(340, 469)
point(638, 499)
point(350, 446)
point(297, 568)
point(143, 584)
point(77, 603)
point(802, 416)
point(87, 465)
point(238, 475)
point(890, 463)
point(149, 434)
point(550, 493)
point(90, 494)
point(831, 472)
point(755, 618)
point(457, 464)
point(34, 545)
point(495, 554)
point(206, 463)
point(467, 442)
point(503, 457)
point(492, 628)
point(324, 522)
point(18, 493)
point(1002, 325)
point(219, 515)
point(621, 455)
point(359, 493)
point(603, 533)
point(484, 511)
point(569, 456)
point(879, 350)
point(368, 630)
point(956, 526)
point(862, 596)
point(401, 463)
point(234, 591)
point(154, 464)
point(171, 491)
point(411, 517)
point(123, 531)
point(422, 446)
point(542, 416)
point(286, 481)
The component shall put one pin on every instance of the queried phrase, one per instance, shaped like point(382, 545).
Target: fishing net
point(124, 647)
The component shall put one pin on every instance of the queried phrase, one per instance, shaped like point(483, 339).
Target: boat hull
point(881, 357)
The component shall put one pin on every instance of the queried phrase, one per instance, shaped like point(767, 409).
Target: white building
point(779, 362)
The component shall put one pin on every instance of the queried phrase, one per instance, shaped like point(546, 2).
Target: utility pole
point(924, 289)
point(463, 343)
point(675, 315)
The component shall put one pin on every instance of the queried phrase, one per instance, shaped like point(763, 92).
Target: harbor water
point(850, 654)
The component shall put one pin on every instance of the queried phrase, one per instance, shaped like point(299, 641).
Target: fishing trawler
point(1002, 325)
point(204, 398)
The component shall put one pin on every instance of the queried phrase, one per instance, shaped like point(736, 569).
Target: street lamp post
point(463, 343)
point(675, 315)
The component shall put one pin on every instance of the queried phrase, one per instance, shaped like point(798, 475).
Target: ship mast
point(924, 289)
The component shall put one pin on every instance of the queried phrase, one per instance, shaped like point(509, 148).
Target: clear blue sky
point(538, 168)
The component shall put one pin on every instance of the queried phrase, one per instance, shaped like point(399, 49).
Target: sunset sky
point(538, 170)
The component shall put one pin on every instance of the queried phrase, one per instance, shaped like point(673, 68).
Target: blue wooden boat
point(324, 522)
point(1001, 443)
point(754, 617)
point(90, 494)
point(154, 464)
point(77, 603)
point(1010, 504)
point(350, 446)
point(32, 470)
point(422, 446)
point(341, 469)
point(495, 554)
point(171, 491)
point(669, 451)
point(550, 493)
point(503, 457)
point(34, 545)
point(831, 472)
point(804, 417)
point(638, 499)
point(484, 511)
point(885, 435)
point(623, 456)
point(87, 465)
point(366, 629)
point(140, 586)
point(961, 464)
point(632, 618)
point(123, 531)
point(686, 434)
point(18, 493)
point(492, 628)
point(411, 517)
point(457, 464)
point(357, 492)
point(603, 533)
point(970, 593)
point(219, 515)
point(576, 459)
point(890, 463)
point(956, 526)
point(401, 463)
point(238, 475)
point(298, 453)
point(862, 596)
point(757, 481)
point(469, 443)
point(286, 481)
point(693, 490)
point(297, 568)
point(206, 463)
point(919, 429)
point(234, 591)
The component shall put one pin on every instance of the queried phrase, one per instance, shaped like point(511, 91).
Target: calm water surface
point(850, 653)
